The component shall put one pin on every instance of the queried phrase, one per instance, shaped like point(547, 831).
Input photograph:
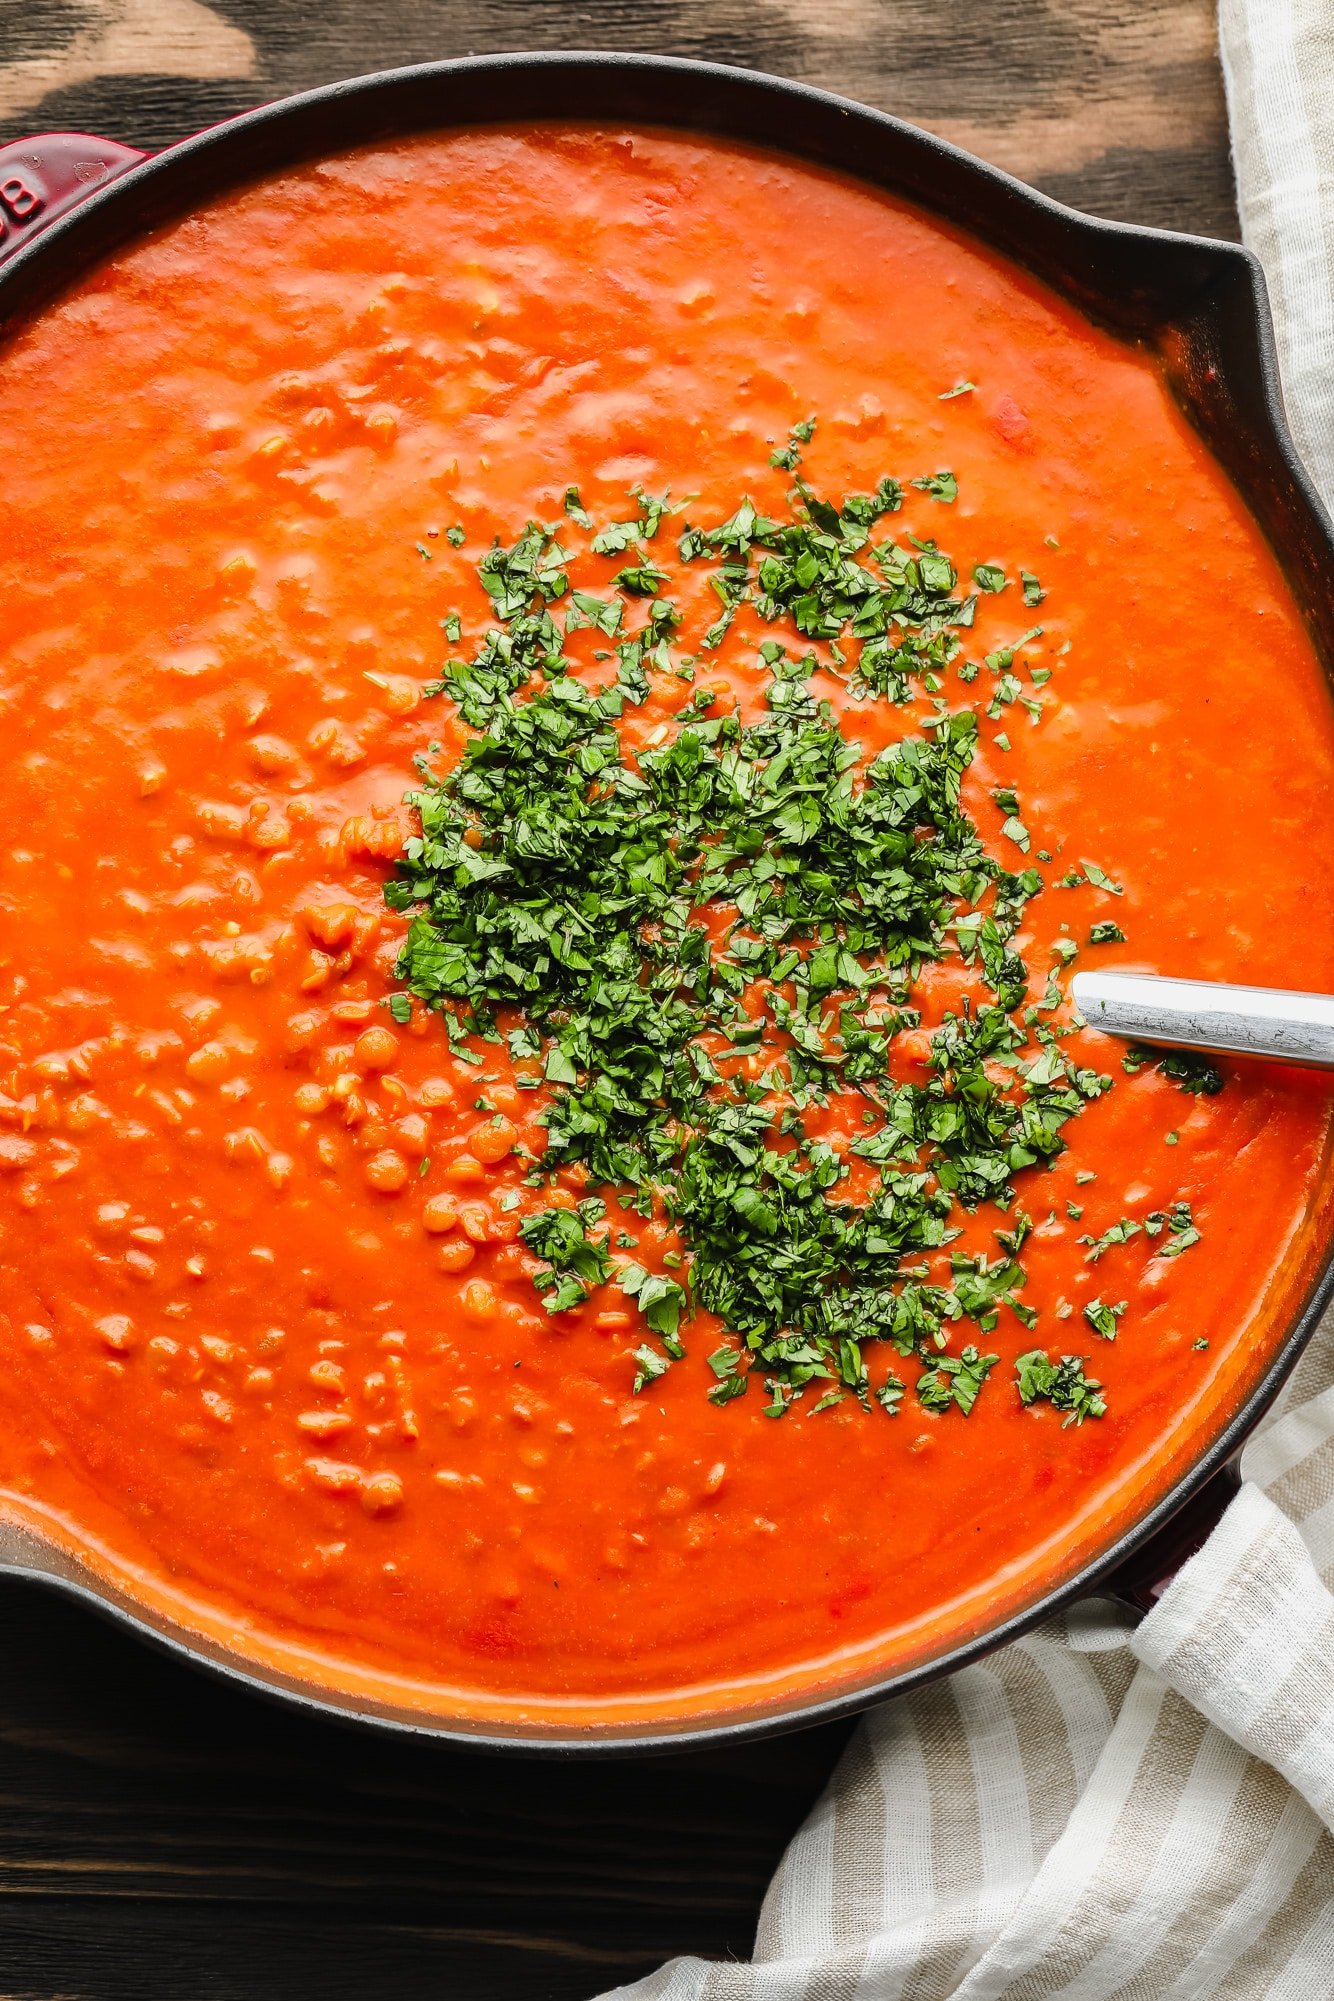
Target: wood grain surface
point(166, 1838)
point(1114, 105)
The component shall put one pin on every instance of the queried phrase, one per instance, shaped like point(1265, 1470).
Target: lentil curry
point(571, 699)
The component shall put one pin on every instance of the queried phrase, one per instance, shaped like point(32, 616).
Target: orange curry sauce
point(240, 1362)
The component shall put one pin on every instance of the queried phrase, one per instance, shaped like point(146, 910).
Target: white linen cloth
point(1099, 1812)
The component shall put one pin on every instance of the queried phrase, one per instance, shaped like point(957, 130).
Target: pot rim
point(164, 187)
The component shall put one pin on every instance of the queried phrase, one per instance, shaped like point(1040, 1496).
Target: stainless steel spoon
point(1272, 1022)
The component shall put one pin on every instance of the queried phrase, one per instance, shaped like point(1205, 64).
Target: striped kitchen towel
point(1098, 1812)
point(1278, 59)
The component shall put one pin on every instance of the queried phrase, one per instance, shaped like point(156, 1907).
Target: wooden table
point(163, 1838)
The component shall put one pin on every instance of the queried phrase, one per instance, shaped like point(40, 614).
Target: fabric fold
point(1278, 67)
point(1246, 1634)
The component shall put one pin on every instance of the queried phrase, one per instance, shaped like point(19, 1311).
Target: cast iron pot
point(66, 200)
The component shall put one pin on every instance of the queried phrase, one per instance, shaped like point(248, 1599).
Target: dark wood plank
point(1114, 107)
point(152, 1817)
point(162, 1835)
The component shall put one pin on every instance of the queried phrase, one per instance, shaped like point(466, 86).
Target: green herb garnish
point(1062, 1384)
point(702, 941)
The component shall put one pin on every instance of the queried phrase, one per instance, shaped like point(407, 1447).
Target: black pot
point(67, 200)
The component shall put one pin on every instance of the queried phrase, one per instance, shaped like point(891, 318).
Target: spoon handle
point(1205, 1014)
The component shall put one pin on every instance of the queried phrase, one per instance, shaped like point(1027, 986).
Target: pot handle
point(1142, 1578)
point(43, 178)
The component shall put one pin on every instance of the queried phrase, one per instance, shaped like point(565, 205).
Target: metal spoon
point(1272, 1022)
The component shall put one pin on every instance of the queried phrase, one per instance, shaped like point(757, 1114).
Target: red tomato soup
point(271, 1351)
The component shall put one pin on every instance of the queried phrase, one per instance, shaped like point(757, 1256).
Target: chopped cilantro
point(1102, 1318)
point(1192, 1072)
point(1062, 1384)
point(956, 1379)
point(641, 580)
point(889, 1394)
point(1101, 880)
point(1119, 1233)
point(660, 1300)
point(940, 485)
point(574, 1261)
point(788, 457)
point(616, 537)
point(649, 1365)
point(1179, 1223)
point(1187, 1068)
point(700, 939)
point(574, 507)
